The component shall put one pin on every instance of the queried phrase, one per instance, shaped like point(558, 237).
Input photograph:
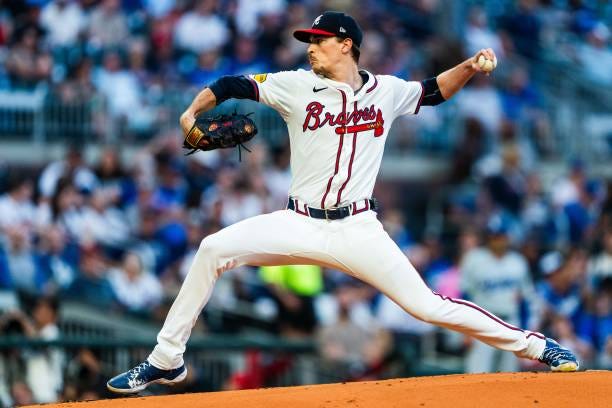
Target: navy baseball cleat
point(558, 358)
point(139, 377)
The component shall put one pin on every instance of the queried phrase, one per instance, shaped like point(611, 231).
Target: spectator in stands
point(57, 259)
point(108, 27)
point(16, 206)
point(231, 199)
point(65, 209)
point(72, 169)
point(163, 63)
point(349, 350)
point(520, 97)
point(470, 148)
point(600, 265)
point(78, 88)
point(268, 40)
point(64, 21)
point(448, 281)
point(137, 53)
point(536, 216)
point(478, 35)
point(563, 286)
point(582, 214)
point(395, 225)
point(195, 232)
point(159, 8)
point(596, 56)
point(277, 176)
point(201, 29)
point(121, 89)
point(170, 194)
point(480, 100)
point(246, 59)
point(26, 64)
point(146, 242)
point(92, 285)
point(211, 65)
point(603, 322)
point(84, 379)
point(104, 222)
point(292, 288)
point(248, 14)
point(524, 28)
point(566, 190)
point(12, 367)
point(17, 261)
point(43, 368)
point(137, 289)
point(115, 182)
point(562, 328)
point(497, 277)
point(508, 187)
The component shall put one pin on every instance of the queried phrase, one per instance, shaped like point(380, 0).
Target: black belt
point(336, 213)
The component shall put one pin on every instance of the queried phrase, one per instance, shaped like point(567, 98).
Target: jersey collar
point(367, 87)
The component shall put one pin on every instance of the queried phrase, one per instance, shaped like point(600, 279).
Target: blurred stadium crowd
point(119, 232)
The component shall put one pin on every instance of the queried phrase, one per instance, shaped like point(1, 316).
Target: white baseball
point(486, 64)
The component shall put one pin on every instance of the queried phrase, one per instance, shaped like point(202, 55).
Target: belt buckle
point(326, 215)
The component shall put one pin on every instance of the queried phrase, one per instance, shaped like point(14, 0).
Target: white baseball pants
point(357, 245)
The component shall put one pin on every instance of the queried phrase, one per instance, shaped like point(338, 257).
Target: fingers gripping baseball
point(484, 61)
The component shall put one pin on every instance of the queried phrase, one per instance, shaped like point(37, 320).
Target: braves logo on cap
point(330, 24)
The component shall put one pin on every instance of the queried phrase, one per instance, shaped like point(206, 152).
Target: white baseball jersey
point(337, 136)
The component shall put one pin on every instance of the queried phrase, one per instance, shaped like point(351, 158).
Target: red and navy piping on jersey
point(305, 212)
point(370, 89)
point(418, 107)
point(338, 153)
point(365, 208)
point(350, 168)
point(255, 88)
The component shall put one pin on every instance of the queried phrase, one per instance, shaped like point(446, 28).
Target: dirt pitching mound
point(586, 389)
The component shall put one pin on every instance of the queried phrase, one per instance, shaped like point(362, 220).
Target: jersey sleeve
point(407, 96)
point(276, 90)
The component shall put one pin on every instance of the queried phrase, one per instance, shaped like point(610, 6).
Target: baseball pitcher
point(338, 117)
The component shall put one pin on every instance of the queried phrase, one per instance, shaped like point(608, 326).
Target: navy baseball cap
point(332, 24)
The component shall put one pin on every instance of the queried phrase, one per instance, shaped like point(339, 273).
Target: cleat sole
point(136, 390)
point(565, 367)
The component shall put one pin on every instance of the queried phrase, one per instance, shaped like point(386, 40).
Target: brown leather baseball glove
point(220, 132)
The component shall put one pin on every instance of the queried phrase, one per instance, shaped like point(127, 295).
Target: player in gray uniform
point(497, 278)
point(338, 118)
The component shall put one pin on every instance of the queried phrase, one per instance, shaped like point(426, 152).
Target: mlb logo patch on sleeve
point(260, 77)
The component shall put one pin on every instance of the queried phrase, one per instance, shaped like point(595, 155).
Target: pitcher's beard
point(320, 71)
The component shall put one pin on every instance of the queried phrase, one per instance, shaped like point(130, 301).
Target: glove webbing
point(240, 146)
